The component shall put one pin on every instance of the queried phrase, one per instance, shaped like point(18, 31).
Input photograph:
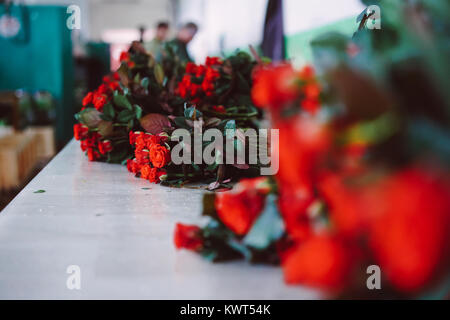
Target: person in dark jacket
point(179, 44)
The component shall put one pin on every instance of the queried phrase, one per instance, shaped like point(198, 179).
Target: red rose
point(182, 90)
point(307, 73)
point(303, 142)
point(132, 137)
point(186, 80)
point(188, 237)
point(88, 99)
point(84, 145)
point(92, 139)
point(114, 86)
point(146, 171)
point(80, 131)
point(133, 166)
point(194, 89)
point(156, 174)
point(293, 205)
point(159, 155)
point(211, 74)
point(322, 262)
point(238, 209)
point(191, 68)
point(105, 147)
point(200, 71)
point(124, 56)
point(93, 154)
point(213, 61)
point(141, 139)
point(219, 109)
point(152, 139)
point(310, 105)
point(348, 213)
point(99, 101)
point(274, 87)
point(207, 86)
point(312, 91)
point(142, 156)
point(410, 233)
point(103, 89)
point(130, 165)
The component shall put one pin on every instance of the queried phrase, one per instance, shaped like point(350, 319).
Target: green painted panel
point(298, 45)
point(41, 61)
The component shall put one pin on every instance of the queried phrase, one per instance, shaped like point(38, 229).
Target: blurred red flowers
point(278, 87)
point(238, 209)
point(411, 227)
point(321, 261)
point(275, 86)
point(341, 213)
point(100, 97)
point(188, 237)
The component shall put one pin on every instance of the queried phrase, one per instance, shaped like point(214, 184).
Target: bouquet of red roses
point(139, 87)
point(153, 147)
point(104, 121)
point(221, 87)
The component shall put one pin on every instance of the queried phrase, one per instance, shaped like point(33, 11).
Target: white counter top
point(98, 216)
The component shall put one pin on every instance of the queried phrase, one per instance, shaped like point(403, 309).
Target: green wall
point(42, 61)
point(298, 45)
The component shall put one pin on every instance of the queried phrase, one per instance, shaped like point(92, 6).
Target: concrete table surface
point(99, 217)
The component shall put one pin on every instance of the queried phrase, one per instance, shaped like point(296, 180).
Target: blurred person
point(184, 36)
point(156, 46)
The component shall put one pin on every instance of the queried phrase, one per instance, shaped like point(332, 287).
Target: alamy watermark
point(237, 147)
point(374, 17)
point(374, 280)
point(73, 281)
point(73, 22)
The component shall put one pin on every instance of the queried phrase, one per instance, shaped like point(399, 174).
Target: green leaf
point(39, 191)
point(145, 82)
point(89, 117)
point(122, 101)
point(108, 111)
point(267, 229)
point(159, 74)
point(125, 116)
point(137, 78)
point(181, 123)
point(138, 111)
